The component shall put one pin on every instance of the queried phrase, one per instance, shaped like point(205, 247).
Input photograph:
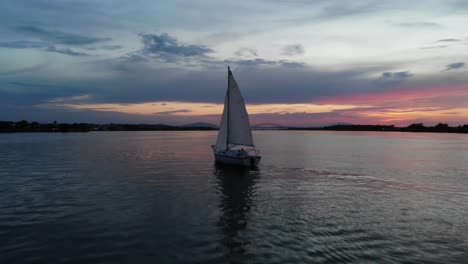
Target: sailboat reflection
point(237, 188)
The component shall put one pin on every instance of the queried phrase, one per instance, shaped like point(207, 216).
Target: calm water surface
point(157, 197)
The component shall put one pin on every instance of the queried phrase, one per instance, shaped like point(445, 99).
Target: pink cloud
point(400, 95)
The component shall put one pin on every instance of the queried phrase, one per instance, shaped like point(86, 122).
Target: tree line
point(417, 127)
point(25, 126)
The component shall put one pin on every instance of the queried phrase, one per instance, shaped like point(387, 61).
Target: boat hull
point(244, 161)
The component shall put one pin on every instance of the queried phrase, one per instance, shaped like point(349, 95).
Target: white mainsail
point(235, 126)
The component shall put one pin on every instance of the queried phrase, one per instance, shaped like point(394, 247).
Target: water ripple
point(157, 197)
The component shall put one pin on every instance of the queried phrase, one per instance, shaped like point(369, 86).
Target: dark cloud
point(270, 83)
point(28, 93)
point(454, 66)
point(66, 51)
point(392, 78)
point(25, 44)
point(290, 64)
point(420, 24)
point(253, 62)
point(246, 52)
point(48, 115)
point(59, 37)
point(111, 47)
point(337, 9)
point(134, 57)
point(395, 75)
point(169, 48)
point(173, 112)
point(293, 49)
point(105, 47)
point(28, 85)
point(262, 81)
point(449, 40)
point(57, 89)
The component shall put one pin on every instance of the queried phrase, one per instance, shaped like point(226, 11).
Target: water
point(157, 197)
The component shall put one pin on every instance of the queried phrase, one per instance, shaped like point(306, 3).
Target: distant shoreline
point(35, 127)
point(414, 128)
point(24, 126)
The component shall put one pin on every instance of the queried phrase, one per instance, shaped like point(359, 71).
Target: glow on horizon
point(405, 116)
point(396, 107)
point(194, 109)
point(430, 105)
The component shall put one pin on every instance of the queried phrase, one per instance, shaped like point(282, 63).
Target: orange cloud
point(197, 109)
point(448, 104)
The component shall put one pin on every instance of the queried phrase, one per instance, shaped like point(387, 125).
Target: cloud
point(449, 40)
point(23, 70)
point(169, 48)
point(173, 112)
point(76, 98)
point(25, 44)
point(391, 78)
point(282, 81)
point(29, 85)
point(246, 52)
point(60, 37)
point(111, 47)
point(48, 91)
point(293, 50)
point(260, 85)
point(454, 66)
point(253, 62)
point(105, 47)
point(337, 9)
point(263, 62)
point(435, 47)
point(290, 64)
point(25, 93)
point(420, 24)
point(395, 75)
point(322, 10)
point(65, 51)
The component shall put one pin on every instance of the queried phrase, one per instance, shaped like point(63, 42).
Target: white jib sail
point(235, 126)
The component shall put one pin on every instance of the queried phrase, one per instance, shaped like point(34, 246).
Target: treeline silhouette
point(25, 126)
point(418, 127)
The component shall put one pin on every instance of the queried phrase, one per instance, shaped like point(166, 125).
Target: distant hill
point(200, 124)
point(266, 126)
point(338, 124)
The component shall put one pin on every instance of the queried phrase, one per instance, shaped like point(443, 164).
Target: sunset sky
point(297, 62)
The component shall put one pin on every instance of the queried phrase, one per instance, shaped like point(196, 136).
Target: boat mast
point(227, 95)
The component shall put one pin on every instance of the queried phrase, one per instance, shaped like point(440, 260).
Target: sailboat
point(234, 144)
